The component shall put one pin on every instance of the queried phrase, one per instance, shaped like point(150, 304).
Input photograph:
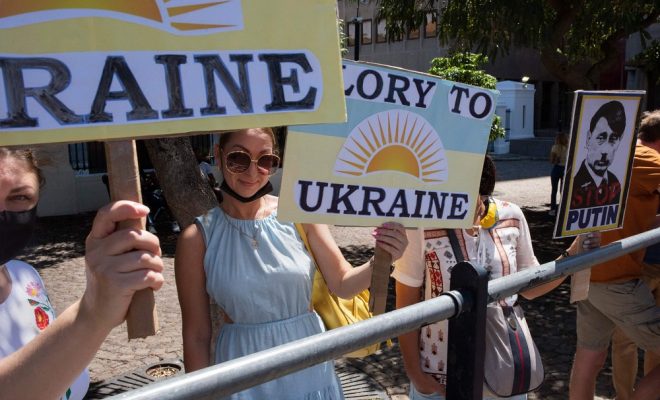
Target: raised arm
point(193, 299)
point(118, 263)
point(581, 243)
point(341, 277)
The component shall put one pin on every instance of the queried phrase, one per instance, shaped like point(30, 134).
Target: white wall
point(519, 98)
point(65, 193)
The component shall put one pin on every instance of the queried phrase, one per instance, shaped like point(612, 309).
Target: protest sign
point(411, 151)
point(601, 150)
point(82, 70)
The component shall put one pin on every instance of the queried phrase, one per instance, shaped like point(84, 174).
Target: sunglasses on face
point(238, 162)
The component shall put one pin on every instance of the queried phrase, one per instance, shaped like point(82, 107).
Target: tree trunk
point(188, 195)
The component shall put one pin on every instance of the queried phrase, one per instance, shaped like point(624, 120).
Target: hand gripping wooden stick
point(380, 278)
point(124, 183)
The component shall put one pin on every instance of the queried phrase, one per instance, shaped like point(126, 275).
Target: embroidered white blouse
point(428, 260)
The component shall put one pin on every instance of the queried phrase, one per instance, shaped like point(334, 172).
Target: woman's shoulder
point(210, 214)
point(23, 271)
point(506, 209)
point(18, 266)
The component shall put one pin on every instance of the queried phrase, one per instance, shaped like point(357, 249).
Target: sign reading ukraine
point(411, 151)
point(76, 70)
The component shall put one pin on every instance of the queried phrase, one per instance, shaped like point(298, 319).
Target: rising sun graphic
point(394, 140)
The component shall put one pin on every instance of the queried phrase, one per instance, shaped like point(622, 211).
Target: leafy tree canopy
point(466, 68)
point(463, 67)
point(576, 39)
point(649, 60)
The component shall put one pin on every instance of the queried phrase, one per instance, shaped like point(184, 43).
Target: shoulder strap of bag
point(455, 245)
point(303, 236)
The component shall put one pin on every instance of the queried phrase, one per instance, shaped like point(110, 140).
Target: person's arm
point(342, 278)
point(193, 299)
point(410, 273)
point(581, 243)
point(409, 345)
point(118, 263)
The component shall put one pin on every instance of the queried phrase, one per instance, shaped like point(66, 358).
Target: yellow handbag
point(335, 311)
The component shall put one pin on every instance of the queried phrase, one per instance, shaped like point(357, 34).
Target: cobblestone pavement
point(58, 249)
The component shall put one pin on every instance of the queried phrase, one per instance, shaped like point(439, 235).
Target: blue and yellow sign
point(411, 151)
point(77, 70)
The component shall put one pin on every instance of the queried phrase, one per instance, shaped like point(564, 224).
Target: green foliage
point(575, 39)
point(343, 38)
point(649, 60)
point(496, 129)
point(402, 16)
point(465, 67)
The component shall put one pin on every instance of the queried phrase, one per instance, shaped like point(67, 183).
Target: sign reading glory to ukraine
point(411, 151)
point(76, 70)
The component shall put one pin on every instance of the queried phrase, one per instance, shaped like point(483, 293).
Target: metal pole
point(236, 375)
point(358, 37)
point(506, 286)
point(467, 334)
point(239, 374)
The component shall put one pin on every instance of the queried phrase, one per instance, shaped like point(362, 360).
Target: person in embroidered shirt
point(594, 184)
point(257, 269)
point(46, 357)
point(499, 240)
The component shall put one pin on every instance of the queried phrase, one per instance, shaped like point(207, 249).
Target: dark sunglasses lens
point(268, 162)
point(238, 161)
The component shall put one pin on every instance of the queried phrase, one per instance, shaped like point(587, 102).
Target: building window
point(413, 34)
point(366, 31)
point(380, 31)
point(430, 26)
point(87, 158)
point(350, 28)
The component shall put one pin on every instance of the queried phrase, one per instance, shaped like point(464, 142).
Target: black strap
point(455, 245)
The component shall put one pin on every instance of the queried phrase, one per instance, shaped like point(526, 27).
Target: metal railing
point(242, 373)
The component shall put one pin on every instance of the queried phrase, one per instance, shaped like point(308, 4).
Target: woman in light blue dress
point(258, 271)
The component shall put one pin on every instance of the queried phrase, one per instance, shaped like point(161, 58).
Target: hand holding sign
point(120, 264)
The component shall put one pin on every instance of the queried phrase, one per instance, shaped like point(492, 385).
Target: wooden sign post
point(380, 279)
point(124, 183)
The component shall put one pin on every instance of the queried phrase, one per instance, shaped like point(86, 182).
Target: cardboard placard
point(411, 151)
point(599, 164)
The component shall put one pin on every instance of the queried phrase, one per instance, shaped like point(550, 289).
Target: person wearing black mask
point(44, 357)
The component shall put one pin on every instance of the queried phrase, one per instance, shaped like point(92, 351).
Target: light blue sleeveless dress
point(266, 292)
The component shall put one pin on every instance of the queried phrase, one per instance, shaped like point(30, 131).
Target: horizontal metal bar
point(242, 373)
point(528, 278)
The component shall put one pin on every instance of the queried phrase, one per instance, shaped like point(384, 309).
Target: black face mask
point(16, 229)
point(265, 189)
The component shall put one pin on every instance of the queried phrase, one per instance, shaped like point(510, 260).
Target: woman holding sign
point(258, 271)
point(40, 356)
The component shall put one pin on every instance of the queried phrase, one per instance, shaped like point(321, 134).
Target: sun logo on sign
point(181, 17)
point(394, 140)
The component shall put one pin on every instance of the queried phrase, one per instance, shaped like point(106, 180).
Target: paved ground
point(58, 252)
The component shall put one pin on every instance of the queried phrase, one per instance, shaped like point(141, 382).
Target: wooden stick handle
point(380, 278)
point(124, 183)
